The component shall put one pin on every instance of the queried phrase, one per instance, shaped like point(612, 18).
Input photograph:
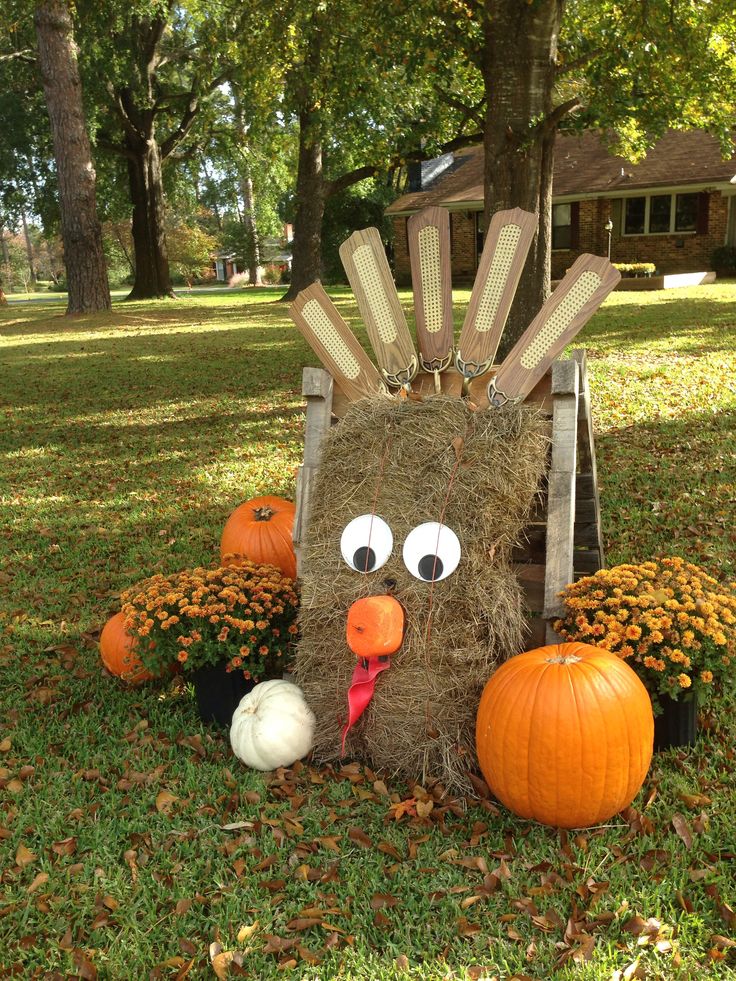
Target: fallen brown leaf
point(165, 802)
point(683, 829)
point(24, 856)
point(41, 879)
point(360, 837)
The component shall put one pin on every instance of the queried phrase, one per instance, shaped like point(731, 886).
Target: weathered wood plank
point(561, 487)
point(531, 579)
point(586, 442)
point(317, 388)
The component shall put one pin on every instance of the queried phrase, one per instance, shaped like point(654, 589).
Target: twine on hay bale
point(420, 723)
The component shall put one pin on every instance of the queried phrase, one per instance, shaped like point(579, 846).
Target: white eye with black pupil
point(366, 543)
point(431, 552)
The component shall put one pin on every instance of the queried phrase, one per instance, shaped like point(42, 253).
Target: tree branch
point(370, 170)
point(110, 146)
point(25, 54)
point(350, 178)
point(552, 119)
point(174, 139)
point(567, 67)
point(470, 113)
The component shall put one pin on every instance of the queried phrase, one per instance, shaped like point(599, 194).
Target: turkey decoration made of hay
point(424, 486)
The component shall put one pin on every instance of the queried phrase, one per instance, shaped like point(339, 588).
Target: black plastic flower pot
point(219, 691)
point(678, 723)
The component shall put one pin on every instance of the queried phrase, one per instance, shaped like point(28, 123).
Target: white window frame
point(647, 206)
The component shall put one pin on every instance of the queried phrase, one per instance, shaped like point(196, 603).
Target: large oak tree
point(155, 65)
point(631, 68)
point(86, 270)
point(361, 101)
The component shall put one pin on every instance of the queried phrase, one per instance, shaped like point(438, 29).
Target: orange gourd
point(564, 735)
point(260, 530)
point(117, 649)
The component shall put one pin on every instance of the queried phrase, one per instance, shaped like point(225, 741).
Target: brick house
point(673, 208)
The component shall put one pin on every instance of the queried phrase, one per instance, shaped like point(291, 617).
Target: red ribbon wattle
point(361, 690)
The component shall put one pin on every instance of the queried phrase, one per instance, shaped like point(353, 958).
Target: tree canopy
point(235, 117)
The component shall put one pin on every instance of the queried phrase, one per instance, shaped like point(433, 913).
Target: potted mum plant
point(228, 628)
point(674, 625)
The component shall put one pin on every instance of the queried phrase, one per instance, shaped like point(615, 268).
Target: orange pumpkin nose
point(375, 626)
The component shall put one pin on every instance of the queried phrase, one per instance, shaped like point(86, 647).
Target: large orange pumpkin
point(260, 530)
point(564, 735)
point(117, 649)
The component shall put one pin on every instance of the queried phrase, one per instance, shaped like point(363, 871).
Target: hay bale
point(420, 723)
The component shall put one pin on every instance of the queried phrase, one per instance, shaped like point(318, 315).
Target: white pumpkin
point(273, 726)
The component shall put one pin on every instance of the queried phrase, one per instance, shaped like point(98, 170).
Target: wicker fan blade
point(333, 342)
point(370, 278)
point(585, 286)
point(509, 236)
point(429, 251)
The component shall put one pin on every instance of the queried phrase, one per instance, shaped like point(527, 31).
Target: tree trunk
point(4, 246)
point(29, 251)
point(249, 220)
point(86, 269)
point(152, 277)
point(306, 266)
point(520, 42)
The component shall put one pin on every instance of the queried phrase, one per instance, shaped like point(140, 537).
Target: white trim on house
point(727, 189)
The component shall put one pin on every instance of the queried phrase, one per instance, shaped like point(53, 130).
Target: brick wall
point(464, 258)
point(692, 255)
point(462, 239)
point(402, 269)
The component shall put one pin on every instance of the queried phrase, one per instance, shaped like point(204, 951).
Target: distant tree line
point(140, 137)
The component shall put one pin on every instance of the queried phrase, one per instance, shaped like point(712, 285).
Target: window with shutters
point(662, 214)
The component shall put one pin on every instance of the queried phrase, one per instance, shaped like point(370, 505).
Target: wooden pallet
point(564, 539)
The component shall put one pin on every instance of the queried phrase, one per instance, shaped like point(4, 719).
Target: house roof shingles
point(584, 166)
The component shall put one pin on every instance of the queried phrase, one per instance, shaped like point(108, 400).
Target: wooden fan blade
point(367, 270)
point(586, 285)
point(333, 342)
point(509, 236)
point(428, 233)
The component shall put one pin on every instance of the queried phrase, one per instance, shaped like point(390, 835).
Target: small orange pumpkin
point(375, 626)
point(117, 650)
point(260, 530)
point(564, 735)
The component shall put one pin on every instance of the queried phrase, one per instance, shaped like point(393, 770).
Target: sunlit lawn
point(126, 441)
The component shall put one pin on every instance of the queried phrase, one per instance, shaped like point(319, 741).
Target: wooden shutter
point(575, 226)
point(701, 225)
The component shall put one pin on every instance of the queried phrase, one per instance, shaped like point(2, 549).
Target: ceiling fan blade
point(507, 242)
point(367, 269)
point(334, 343)
point(586, 285)
point(428, 234)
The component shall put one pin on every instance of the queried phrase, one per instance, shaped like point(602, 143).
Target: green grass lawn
point(130, 837)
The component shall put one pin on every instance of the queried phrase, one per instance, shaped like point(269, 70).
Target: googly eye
point(431, 551)
point(366, 543)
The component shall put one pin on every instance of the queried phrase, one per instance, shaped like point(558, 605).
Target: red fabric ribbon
point(361, 691)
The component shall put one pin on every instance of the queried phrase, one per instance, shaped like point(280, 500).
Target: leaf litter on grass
point(129, 842)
